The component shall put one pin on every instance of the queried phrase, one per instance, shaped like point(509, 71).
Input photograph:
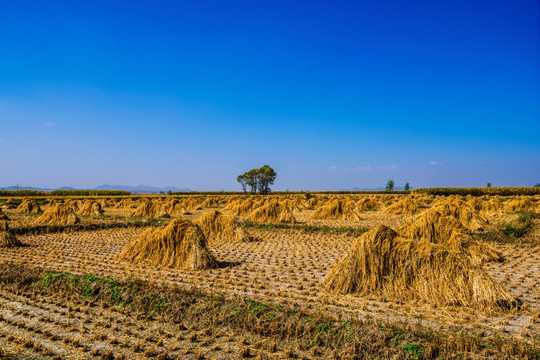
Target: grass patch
point(353, 231)
point(285, 324)
point(513, 231)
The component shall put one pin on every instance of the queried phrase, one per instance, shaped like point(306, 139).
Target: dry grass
point(272, 212)
point(90, 208)
point(125, 204)
point(406, 206)
point(336, 210)
point(435, 227)
point(7, 238)
point(180, 245)
point(383, 264)
point(29, 206)
point(150, 209)
point(60, 214)
point(3, 216)
point(218, 227)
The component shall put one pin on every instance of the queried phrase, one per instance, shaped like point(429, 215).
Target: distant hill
point(139, 189)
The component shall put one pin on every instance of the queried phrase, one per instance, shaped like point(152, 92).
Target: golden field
point(404, 276)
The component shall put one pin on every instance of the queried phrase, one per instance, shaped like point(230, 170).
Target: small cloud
point(49, 123)
point(483, 162)
point(385, 167)
point(434, 163)
point(363, 168)
point(333, 167)
point(2, 140)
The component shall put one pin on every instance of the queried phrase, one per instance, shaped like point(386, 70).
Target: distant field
point(322, 275)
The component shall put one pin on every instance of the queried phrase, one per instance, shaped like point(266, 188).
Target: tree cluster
point(258, 179)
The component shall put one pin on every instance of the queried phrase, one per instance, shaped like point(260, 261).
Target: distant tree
point(407, 186)
point(390, 185)
point(488, 184)
point(243, 181)
point(537, 185)
point(252, 179)
point(266, 176)
point(258, 179)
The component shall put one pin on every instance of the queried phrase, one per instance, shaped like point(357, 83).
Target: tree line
point(258, 179)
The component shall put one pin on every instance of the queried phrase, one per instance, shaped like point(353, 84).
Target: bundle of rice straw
point(90, 208)
point(448, 231)
point(174, 207)
point(219, 228)
point(522, 204)
point(336, 210)
point(7, 238)
point(3, 216)
point(29, 206)
point(60, 214)
point(180, 245)
point(406, 206)
point(272, 212)
point(149, 209)
point(368, 203)
point(381, 263)
point(125, 204)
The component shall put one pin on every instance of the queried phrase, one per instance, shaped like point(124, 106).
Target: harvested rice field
point(402, 276)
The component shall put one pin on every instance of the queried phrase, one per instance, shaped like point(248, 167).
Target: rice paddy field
point(307, 276)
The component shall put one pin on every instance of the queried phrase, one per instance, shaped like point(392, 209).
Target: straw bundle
point(125, 204)
point(149, 209)
point(60, 214)
point(218, 227)
point(3, 216)
point(180, 245)
point(336, 210)
point(29, 206)
point(90, 208)
point(272, 212)
point(383, 264)
point(7, 238)
point(406, 206)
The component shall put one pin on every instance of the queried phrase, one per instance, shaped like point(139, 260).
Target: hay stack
point(29, 206)
point(3, 216)
point(7, 238)
point(211, 202)
point(517, 205)
point(51, 202)
point(448, 231)
point(459, 210)
point(218, 227)
point(272, 212)
point(125, 204)
point(72, 204)
point(241, 207)
point(90, 208)
point(383, 264)
point(406, 206)
point(336, 210)
point(60, 214)
point(485, 208)
point(174, 207)
point(180, 245)
point(368, 203)
point(149, 209)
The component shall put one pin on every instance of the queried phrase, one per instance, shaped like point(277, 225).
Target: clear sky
point(333, 95)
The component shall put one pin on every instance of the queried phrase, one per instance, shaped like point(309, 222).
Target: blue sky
point(333, 95)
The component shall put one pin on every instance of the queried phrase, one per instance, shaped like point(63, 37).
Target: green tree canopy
point(258, 179)
point(390, 185)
